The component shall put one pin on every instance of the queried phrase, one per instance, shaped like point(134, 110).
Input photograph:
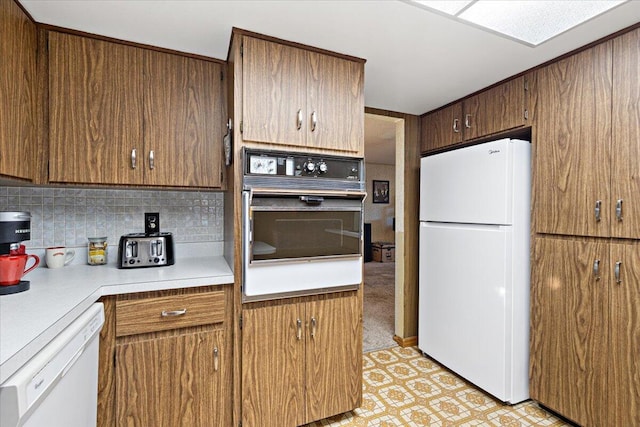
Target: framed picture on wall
point(380, 191)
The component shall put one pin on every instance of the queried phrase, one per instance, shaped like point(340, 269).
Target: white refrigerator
point(474, 264)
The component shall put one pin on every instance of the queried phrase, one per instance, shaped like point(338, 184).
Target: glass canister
point(97, 254)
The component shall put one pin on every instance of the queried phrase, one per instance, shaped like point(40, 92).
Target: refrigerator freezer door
point(464, 300)
point(472, 185)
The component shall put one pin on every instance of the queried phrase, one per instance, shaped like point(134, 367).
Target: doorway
point(384, 159)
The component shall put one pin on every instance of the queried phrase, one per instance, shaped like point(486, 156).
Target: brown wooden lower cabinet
point(301, 359)
point(585, 330)
point(167, 370)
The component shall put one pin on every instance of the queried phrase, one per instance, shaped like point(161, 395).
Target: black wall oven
point(302, 224)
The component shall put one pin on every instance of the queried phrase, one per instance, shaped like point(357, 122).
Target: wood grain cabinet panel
point(301, 361)
point(442, 128)
point(182, 121)
point(572, 119)
point(300, 98)
point(125, 115)
point(335, 104)
point(333, 357)
point(494, 110)
point(272, 366)
point(18, 46)
point(569, 329)
point(139, 316)
point(625, 156)
point(273, 93)
point(173, 371)
point(623, 369)
point(173, 381)
point(95, 111)
point(585, 330)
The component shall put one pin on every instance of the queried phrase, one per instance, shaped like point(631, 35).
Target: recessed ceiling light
point(530, 22)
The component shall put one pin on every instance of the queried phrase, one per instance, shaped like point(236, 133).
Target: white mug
point(59, 256)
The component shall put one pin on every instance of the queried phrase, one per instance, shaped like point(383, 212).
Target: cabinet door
point(495, 110)
point(624, 343)
point(335, 106)
point(625, 166)
point(274, 93)
point(334, 356)
point(571, 102)
point(568, 357)
point(182, 121)
point(95, 111)
point(18, 46)
point(172, 381)
point(273, 366)
point(442, 128)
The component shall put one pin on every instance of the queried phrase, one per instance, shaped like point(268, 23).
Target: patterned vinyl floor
point(404, 388)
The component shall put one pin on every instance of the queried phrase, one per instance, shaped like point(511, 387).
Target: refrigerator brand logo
point(494, 151)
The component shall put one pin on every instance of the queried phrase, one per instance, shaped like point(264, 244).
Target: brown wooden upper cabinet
point(292, 96)
point(125, 115)
point(495, 110)
point(18, 45)
point(586, 116)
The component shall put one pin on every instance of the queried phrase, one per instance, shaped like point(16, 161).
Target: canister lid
point(15, 216)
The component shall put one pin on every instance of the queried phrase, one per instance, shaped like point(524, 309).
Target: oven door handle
point(247, 237)
point(312, 200)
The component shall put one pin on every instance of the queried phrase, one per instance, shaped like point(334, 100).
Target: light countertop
point(29, 320)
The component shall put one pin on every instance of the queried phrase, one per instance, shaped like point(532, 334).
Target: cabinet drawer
point(171, 312)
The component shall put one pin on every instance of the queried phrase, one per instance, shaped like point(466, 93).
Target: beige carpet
point(401, 387)
point(379, 294)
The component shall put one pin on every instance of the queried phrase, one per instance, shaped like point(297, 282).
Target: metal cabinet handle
point(173, 313)
point(456, 125)
point(598, 209)
point(299, 333)
point(299, 120)
point(216, 357)
point(617, 272)
point(152, 163)
point(596, 269)
point(467, 121)
point(133, 159)
point(619, 209)
point(314, 121)
point(314, 324)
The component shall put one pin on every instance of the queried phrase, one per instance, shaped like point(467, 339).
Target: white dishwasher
point(59, 385)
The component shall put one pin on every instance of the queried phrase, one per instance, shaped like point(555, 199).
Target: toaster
point(138, 250)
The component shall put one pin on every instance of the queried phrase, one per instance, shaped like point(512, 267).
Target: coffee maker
point(15, 227)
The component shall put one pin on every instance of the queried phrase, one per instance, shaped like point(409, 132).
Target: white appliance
point(58, 387)
point(474, 264)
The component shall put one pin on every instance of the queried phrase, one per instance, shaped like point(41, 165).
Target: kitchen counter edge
point(194, 272)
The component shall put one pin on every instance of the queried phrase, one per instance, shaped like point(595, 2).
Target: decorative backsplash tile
point(68, 216)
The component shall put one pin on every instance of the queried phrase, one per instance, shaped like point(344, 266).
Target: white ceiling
point(417, 60)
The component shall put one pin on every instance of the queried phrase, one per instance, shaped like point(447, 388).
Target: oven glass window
point(281, 235)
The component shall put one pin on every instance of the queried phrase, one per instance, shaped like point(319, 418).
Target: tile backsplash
point(68, 216)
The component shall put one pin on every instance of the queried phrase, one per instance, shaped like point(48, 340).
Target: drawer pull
point(597, 210)
point(173, 313)
point(617, 272)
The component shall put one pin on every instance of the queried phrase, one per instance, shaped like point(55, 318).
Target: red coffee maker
point(15, 227)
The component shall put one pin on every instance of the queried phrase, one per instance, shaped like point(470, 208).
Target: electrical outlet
point(151, 222)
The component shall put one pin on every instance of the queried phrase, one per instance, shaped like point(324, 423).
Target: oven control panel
point(299, 165)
